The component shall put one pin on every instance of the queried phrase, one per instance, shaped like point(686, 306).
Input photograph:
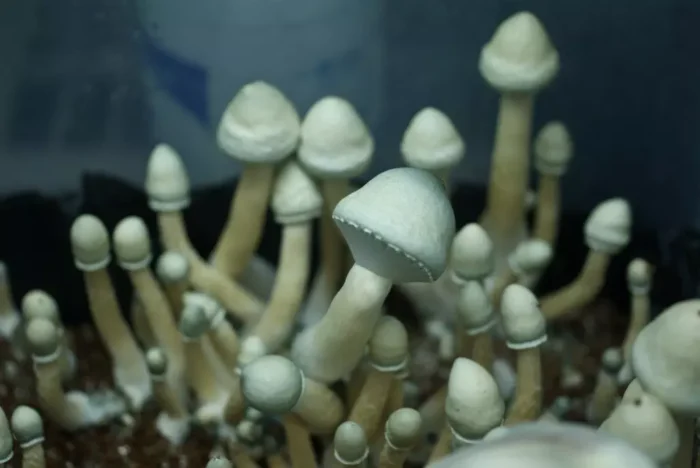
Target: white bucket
point(201, 52)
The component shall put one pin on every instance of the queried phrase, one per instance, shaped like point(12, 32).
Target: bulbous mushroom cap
point(471, 256)
point(403, 428)
point(350, 443)
point(40, 304)
point(219, 462)
point(473, 404)
point(530, 256)
point(608, 226)
point(474, 308)
point(259, 126)
point(431, 141)
point(295, 197)
point(27, 426)
point(335, 142)
point(272, 384)
point(193, 322)
point(639, 276)
point(399, 225)
point(612, 360)
point(524, 325)
point(167, 184)
point(665, 358)
point(132, 245)
point(388, 346)
point(646, 424)
point(6, 443)
point(553, 149)
point(519, 57)
point(90, 243)
point(42, 337)
point(157, 361)
point(172, 267)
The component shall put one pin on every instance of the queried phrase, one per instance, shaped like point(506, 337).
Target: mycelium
point(401, 433)
point(639, 276)
point(91, 255)
point(28, 429)
point(173, 421)
point(604, 396)
point(168, 190)
point(9, 315)
point(518, 61)
point(296, 203)
point(607, 232)
point(525, 265)
point(6, 443)
point(335, 147)
point(350, 447)
point(399, 227)
point(173, 271)
point(259, 129)
point(525, 331)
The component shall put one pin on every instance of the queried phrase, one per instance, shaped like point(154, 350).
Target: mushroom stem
point(173, 422)
point(685, 456)
point(527, 404)
point(482, 351)
point(548, 208)
point(319, 407)
point(639, 285)
point(235, 405)
point(276, 460)
point(604, 396)
point(33, 456)
point(173, 272)
point(368, 409)
point(224, 340)
point(443, 445)
point(9, 315)
point(139, 321)
point(301, 452)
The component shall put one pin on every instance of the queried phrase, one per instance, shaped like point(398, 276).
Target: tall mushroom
point(518, 61)
point(173, 421)
point(350, 446)
point(639, 276)
point(525, 264)
point(604, 396)
point(173, 271)
point(28, 429)
point(399, 227)
point(401, 434)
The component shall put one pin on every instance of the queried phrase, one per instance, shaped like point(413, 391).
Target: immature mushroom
point(168, 190)
point(477, 317)
point(639, 274)
point(518, 61)
point(402, 432)
point(398, 227)
point(296, 202)
point(173, 421)
point(6, 443)
point(259, 129)
point(173, 271)
point(525, 330)
point(604, 396)
point(432, 143)
point(335, 147)
point(28, 429)
point(607, 232)
point(91, 255)
point(525, 265)
point(221, 334)
point(350, 447)
point(9, 315)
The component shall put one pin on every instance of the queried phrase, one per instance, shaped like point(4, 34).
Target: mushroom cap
point(473, 404)
point(295, 197)
point(665, 358)
point(431, 141)
point(471, 256)
point(6, 443)
point(639, 273)
point(335, 142)
point(172, 267)
point(193, 322)
point(553, 149)
point(210, 306)
point(27, 426)
point(167, 183)
point(530, 256)
point(259, 126)
point(157, 361)
point(90, 243)
point(42, 337)
point(403, 428)
point(474, 308)
point(607, 228)
point(272, 384)
point(388, 346)
point(132, 244)
point(219, 462)
point(40, 304)
point(399, 225)
point(524, 325)
point(350, 443)
point(612, 360)
point(519, 57)
point(645, 423)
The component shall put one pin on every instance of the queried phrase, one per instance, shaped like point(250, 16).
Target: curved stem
point(548, 207)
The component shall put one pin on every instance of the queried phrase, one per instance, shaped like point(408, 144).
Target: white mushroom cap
point(633, 390)
point(6, 443)
point(646, 424)
point(219, 462)
point(473, 404)
point(90, 243)
point(212, 309)
point(612, 361)
point(474, 308)
point(350, 443)
point(43, 338)
point(553, 149)
point(431, 141)
point(132, 244)
point(639, 276)
point(167, 184)
point(157, 362)
point(335, 142)
point(388, 346)
point(172, 267)
point(665, 358)
point(608, 226)
point(519, 57)
point(272, 384)
point(40, 304)
point(471, 257)
point(295, 197)
point(250, 431)
point(259, 126)
point(27, 426)
point(403, 428)
point(524, 325)
point(530, 256)
point(193, 322)
point(399, 225)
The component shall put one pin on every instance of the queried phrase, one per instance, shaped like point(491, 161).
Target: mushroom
point(350, 447)
point(604, 396)
point(259, 129)
point(432, 143)
point(525, 330)
point(173, 421)
point(553, 151)
point(607, 232)
point(518, 61)
point(9, 315)
point(525, 266)
point(91, 255)
point(173, 271)
point(28, 429)
point(219, 462)
point(477, 317)
point(639, 276)
point(336, 146)
point(398, 227)
point(296, 202)
point(168, 190)
point(402, 432)
point(6, 443)
point(559, 407)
